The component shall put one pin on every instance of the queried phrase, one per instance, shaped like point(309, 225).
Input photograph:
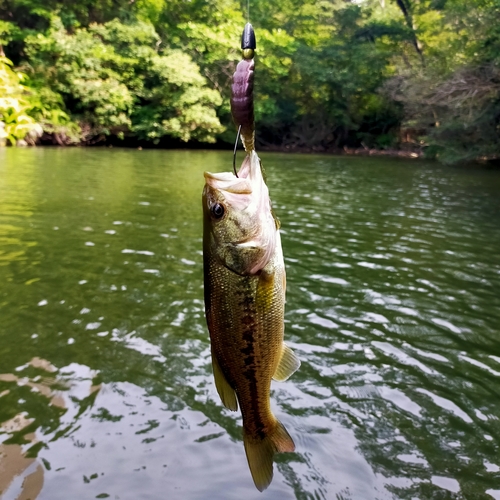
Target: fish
point(244, 289)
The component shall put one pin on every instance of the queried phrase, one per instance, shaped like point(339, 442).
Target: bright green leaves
point(15, 104)
point(8, 32)
point(117, 81)
point(176, 101)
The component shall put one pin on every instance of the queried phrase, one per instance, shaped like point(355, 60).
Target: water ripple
point(393, 275)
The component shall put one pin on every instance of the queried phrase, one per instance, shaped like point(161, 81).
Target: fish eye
point(217, 210)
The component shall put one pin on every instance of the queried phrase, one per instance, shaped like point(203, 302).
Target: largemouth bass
point(244, 303)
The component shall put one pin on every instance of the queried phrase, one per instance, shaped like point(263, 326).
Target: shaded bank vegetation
point(417, 75)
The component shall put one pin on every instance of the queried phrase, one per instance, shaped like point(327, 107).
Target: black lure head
point(248, 42)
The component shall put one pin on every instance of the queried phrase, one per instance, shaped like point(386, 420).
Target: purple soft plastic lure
point(242, 90)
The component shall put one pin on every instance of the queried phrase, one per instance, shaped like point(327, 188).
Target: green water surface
point(393, 306)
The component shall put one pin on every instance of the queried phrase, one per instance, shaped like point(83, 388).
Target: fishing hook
point(234, 152)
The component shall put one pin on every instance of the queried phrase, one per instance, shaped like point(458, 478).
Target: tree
point(116, 81)
point(15, 103)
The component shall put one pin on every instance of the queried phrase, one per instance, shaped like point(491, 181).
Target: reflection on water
point(393, 307)
point(21, 472)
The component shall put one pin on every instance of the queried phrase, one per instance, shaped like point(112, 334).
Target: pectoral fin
point(288, 365)
point(226, 392)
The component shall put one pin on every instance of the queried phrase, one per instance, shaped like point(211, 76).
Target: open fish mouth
point(228, 182)
point(249, 177)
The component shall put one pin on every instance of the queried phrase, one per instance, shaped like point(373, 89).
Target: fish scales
point(246, 318)
point(244, 305)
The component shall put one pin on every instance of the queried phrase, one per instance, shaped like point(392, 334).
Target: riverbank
point(360, 151)
point(170, 144)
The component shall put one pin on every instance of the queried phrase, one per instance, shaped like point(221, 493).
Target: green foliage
point(118, 82)
point(329, 73)
point(8, 31)
point(176, 101)
point(15, 123)
point(451, 104)
point(333, 91)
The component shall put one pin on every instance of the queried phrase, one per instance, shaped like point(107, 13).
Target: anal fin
point(226, 392)
point(287, 366)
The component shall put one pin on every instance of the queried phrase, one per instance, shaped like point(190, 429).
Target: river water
point(393, 306)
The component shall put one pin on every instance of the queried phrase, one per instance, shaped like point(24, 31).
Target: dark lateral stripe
point(254, 418)
point(250, 374)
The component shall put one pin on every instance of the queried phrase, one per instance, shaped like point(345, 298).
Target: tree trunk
point(406, 10)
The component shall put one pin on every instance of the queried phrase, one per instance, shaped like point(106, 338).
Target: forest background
point(412, 75)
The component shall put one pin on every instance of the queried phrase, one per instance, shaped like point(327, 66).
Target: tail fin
point(260, 453)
